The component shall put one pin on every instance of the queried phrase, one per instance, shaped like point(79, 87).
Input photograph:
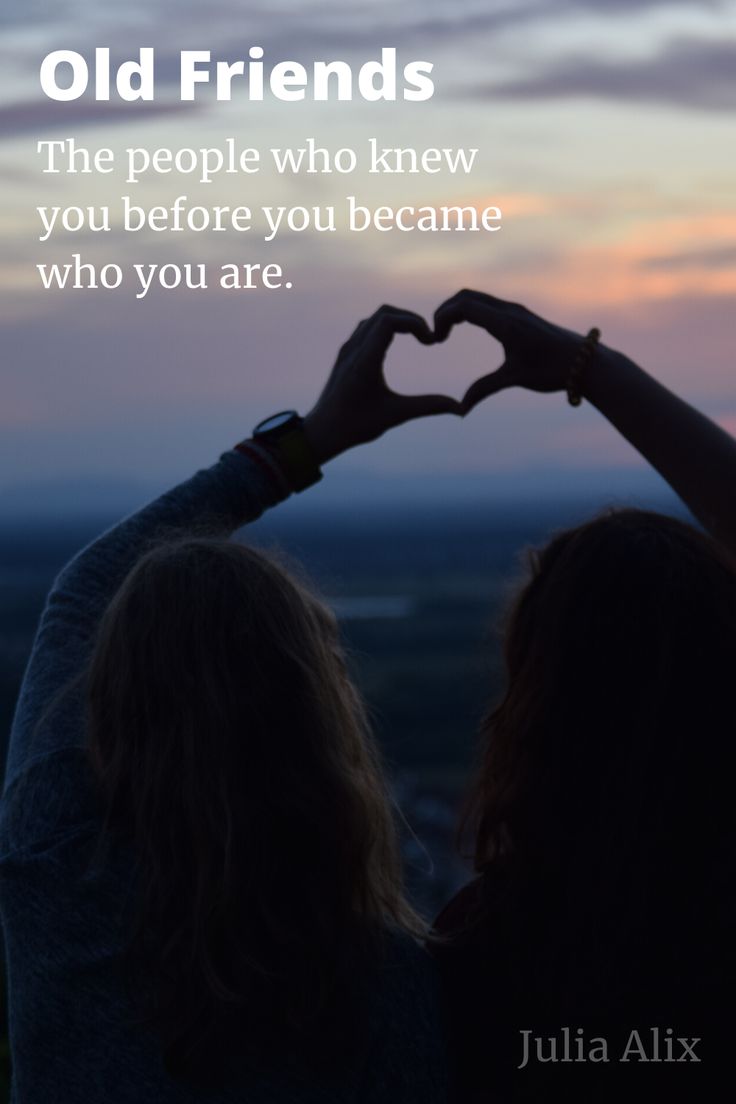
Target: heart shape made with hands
point(452, 367)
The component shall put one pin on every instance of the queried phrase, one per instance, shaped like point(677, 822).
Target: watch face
point(278, 421)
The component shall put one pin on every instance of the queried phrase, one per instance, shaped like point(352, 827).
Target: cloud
point(296, 29)
point(23, 13)
point(624, 7)
point(310, 30)
point(327, 30)
point(718, 257)
point(32, 116)
point(696, 74)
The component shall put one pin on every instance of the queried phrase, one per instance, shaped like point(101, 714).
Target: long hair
point(603, 811)
point(234, 755)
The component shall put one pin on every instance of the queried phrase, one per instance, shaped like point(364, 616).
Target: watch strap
point(289, 449)
point(293, 450)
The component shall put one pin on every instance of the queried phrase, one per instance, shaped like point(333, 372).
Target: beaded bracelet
point(584, 356)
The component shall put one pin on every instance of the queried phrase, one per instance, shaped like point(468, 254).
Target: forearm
point(694, 455)
point(214, 502)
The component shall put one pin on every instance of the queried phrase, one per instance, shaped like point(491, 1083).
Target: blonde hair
point(233, 751)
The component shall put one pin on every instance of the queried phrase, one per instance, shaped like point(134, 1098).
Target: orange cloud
point(571, 266)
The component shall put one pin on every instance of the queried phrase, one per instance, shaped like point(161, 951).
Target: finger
point(407, 408)
point(484, 297)
point(355, 338)
point(473, 293)
point(423, 331)
point(470, 309)
point(379, 336)
point(454, 310)
point(469, 295)
point(486, 386)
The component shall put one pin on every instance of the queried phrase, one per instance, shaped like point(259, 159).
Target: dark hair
point(603, 811)
point(234, 752)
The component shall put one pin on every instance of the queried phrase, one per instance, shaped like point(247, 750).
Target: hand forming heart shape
point(357, 405)
point(446, 367)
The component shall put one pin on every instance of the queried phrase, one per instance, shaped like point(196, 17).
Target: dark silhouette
point(602, 818)
point(602, 814)
point(200, 890)
point(233, 751)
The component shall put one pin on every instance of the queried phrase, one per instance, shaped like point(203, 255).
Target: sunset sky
point(606, 137)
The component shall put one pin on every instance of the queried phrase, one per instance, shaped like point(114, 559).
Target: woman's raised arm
point(695, 456)
point(355, 406)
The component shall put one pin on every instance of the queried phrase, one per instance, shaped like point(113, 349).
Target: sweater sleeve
point(216, 501)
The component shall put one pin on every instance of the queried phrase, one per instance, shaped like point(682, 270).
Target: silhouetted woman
point(199, 877)
point(594, 958)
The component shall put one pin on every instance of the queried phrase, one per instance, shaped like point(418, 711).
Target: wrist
point(607, 372)
point(283, 437)
point(323, 441)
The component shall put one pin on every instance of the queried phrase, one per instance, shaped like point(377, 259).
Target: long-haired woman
point(593, 958)
point(200, 885)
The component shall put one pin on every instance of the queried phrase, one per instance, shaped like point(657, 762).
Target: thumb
point(487, 386)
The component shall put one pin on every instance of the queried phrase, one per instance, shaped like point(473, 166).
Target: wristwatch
point(284, 435)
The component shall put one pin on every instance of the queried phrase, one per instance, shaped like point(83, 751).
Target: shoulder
point(462, 911)
point(403, 959)
point(407, 1059)
point(403, 981)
